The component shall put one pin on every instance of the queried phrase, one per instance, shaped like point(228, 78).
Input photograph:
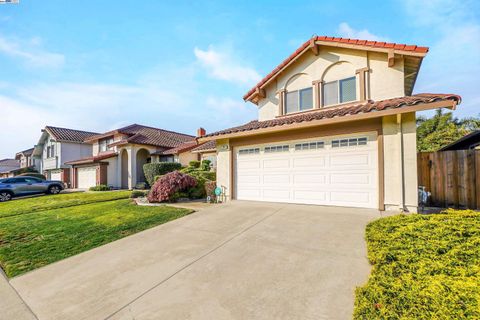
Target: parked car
point(21, 186)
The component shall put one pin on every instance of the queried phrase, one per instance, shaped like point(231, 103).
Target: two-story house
point(27, 160)
point(57, 146)
point(119, 155)
point(336, 126)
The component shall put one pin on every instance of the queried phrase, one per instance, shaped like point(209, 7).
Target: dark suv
point(21, 186)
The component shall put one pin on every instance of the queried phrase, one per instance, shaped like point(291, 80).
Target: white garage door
point(338, 171)
point(87, 177)
point(56, 175)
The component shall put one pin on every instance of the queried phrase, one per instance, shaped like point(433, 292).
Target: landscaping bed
point(30, 241)
point(424, 267)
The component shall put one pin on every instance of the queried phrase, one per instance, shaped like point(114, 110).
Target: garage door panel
point(350, 160)
point(87, 177)
point(318, 162)
point(276, 178)
point(249, 164)
point(276, 163)
point(276, 194)
point(350, 178)
point(249, 179)
point(326, 175)
point(316, 196)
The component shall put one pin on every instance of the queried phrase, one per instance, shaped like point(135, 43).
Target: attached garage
point(56, 175)
point(86, 177)
point(336, 170)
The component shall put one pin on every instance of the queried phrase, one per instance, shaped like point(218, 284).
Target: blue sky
point(99, 65)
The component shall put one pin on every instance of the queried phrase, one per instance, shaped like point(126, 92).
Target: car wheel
point(54, 190)
point(5, 196)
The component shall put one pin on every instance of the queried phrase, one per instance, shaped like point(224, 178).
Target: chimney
point(201, 132)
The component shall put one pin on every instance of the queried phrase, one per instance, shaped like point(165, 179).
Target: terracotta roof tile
point(341, 111)
point(72, 135)
point(369, 43)
point(184, 147)
point(140, 134)
point(209, 145)
point(7, 165)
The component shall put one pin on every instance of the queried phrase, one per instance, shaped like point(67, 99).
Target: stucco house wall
point(333, 64)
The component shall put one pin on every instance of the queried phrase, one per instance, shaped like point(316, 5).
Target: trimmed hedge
point(33, 174)
point(138, 194)
point(424, 267)
point(152, 170)
point(100, 187)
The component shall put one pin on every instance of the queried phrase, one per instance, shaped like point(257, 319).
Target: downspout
point(402, 206)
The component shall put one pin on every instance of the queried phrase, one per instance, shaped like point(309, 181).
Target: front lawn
point(63, 200)
point(30, 241)
point(424, 267)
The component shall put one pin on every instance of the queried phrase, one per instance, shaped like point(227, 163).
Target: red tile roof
point(342, 111)
point(207, 146)
point(7, 165)
point(184, 147)
point(94, 159)
point(337, 42)
point(140, 134)
point(69, 135)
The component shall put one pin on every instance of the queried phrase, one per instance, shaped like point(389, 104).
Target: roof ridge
point(160, 129)
point(62, 128)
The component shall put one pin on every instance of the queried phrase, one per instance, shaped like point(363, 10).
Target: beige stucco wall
point(393, 139)
point(334, 64)
point(185, 157)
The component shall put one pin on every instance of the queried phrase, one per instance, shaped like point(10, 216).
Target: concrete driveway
point(244, 260)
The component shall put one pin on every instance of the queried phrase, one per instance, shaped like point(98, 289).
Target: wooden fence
point(452, 177)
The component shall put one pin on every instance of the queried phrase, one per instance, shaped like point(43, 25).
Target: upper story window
point(339, 91)
point(299, 100)
point(103, 144)
point(51, 151)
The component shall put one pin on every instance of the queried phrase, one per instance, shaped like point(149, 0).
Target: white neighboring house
point(27, 160)
point(57, 146)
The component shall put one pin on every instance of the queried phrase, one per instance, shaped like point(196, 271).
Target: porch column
point(132, 167)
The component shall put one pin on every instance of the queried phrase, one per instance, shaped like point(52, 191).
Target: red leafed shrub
point(167, 185)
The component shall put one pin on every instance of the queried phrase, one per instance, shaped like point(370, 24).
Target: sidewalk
point(11, 305)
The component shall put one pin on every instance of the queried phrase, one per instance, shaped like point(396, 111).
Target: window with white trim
point(339, 91)
point(249, 151)
point(309, 145)
point(350, 142)
point(298, 100)
point(103, 144)
point(271, 149)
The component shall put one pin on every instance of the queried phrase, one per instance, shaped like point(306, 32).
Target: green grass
point(424, 267)
point(30, 241)
point(36, 204)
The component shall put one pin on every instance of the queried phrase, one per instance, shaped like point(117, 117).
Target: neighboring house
point(336, 126)
point(119, 155)
point(207, 151)
point(8, 167)
point(470, 141)
point(56, 147)
point(27, 160)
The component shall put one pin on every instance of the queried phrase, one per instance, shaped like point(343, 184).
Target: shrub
point(194, 164)
point(33, 174)
point(159, 168)
point(205, 166)
point(198, 192)
point(100, 187)
point(138, 194)
point(166, 187)
point(424, 267)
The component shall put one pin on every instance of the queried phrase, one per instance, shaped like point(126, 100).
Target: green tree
point(442, 129)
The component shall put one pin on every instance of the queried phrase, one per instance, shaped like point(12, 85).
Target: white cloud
point(451, 65)
point(224, 66)
point(346, 31)
point(31, 53)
